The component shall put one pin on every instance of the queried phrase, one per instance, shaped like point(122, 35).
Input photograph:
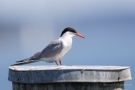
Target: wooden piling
point(68, 77)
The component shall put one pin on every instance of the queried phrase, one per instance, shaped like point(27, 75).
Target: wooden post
point(68, 77)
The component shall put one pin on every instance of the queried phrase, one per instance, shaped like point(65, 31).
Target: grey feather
point(51, 50)
point(31, 59)
point(35, 56)
point(54, 48)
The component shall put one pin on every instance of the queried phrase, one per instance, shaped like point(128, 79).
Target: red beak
point(79, 35)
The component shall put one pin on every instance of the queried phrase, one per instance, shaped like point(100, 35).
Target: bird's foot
point(56, 63)
point(60, 62)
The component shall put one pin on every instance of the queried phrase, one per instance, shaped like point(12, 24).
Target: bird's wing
point(35, 56)
point(52, 49)
point(31, 59)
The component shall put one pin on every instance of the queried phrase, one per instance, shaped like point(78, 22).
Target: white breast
point(67, 44)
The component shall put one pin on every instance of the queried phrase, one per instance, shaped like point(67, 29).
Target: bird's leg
point(56, 63)
point(60, 62)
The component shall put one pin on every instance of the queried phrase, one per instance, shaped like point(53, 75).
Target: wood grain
point(44, 74)
point(69, 86)
point(68, 77)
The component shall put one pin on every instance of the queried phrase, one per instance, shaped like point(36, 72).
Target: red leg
point(56, 63)
point(60, 62)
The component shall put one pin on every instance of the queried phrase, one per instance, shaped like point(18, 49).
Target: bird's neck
point(67, 39)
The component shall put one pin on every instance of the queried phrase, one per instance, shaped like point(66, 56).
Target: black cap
point(68, 29)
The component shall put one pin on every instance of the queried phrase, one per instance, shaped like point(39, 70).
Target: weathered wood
point(69, 77)
point(53, 74)
point(69, 86)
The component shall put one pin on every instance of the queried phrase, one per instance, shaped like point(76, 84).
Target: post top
point(49, 67)
point(56, 74)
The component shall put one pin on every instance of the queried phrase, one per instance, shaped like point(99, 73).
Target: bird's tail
point(25, 61)
point(34, 58)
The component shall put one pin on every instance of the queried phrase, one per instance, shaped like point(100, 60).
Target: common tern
point(55, 50)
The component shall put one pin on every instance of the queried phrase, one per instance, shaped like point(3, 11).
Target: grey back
point(52, 49)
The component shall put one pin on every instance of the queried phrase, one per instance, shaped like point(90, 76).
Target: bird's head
point(70, 32)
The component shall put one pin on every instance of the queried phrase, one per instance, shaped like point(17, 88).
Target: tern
point(55, 50)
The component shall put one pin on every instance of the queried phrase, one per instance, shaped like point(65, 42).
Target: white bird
point(55, 50)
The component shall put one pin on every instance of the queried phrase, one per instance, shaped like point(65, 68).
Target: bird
point(54, 51)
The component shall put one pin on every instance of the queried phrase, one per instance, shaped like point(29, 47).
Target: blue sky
point(27, 27)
